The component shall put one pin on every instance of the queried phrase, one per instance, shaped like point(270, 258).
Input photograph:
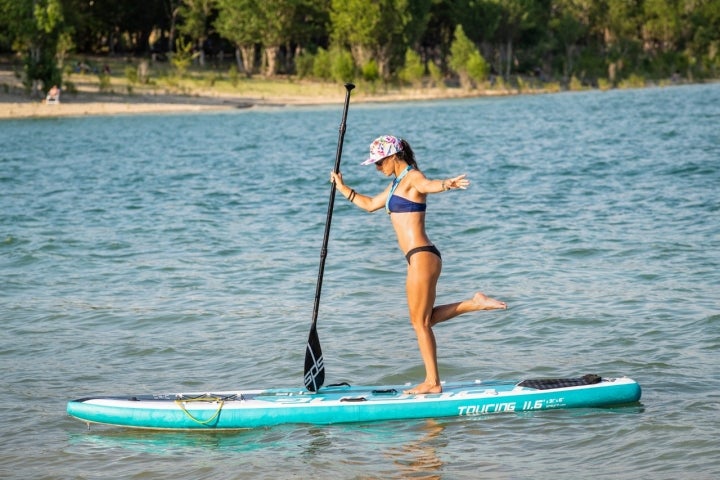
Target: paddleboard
point(344, 403)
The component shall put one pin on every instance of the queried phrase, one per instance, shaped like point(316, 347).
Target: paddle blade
point(314, 366)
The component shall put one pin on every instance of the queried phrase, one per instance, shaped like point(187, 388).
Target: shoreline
point(15, 106)
point(83, 103)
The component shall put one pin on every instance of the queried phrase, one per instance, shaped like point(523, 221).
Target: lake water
point(166, 253)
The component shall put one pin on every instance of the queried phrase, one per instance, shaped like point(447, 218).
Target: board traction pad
point(548, 383)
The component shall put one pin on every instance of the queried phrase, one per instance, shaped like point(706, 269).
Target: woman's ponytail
point(407, 154)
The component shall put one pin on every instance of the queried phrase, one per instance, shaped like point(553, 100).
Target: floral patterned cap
point(382, 147)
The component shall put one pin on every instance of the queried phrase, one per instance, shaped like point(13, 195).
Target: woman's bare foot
point(424, 387)
point(483, 302)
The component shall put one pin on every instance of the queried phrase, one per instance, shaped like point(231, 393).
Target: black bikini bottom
point(424, 248)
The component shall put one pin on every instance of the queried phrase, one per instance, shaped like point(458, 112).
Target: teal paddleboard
point(344, 403)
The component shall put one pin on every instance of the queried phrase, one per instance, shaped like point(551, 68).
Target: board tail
point(314, 365)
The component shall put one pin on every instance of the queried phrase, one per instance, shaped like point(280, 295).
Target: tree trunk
point(247, 53)
point(383, 59)
point(271, 54)
point(360, 54)
point(509, 56)
point(201, 55)
point(171, 34)
point(567, 68)
point(238, 60)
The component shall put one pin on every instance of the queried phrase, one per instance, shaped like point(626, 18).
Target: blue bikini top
point(398, 204)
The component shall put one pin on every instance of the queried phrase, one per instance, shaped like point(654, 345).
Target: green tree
point(35, 28)
point(310, 26)
point(589, 39)
point(277, 18)
point(480, 19)
point(273, 24)
point(515, 18)
point(435, 42)
point(322, 65)
point(379, 30)
point(109, 26)
point(661, 36)
point(477, 67)
point(342, 66)
point(240, 22)
point(195, 20)
point(182, 57)
point(703, 36)
point(413, 70)
point(661, 27)
point(465, 59)
point(569, 26)
point(622, 24)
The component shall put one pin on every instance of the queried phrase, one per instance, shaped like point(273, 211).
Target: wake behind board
point(344, 403)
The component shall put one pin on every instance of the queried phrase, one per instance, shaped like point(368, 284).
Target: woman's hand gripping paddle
point(314, 365)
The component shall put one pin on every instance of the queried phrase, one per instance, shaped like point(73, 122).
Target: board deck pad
point(547, 383)
point(342, 403)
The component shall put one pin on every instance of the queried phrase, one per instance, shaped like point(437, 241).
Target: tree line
point(405, 41)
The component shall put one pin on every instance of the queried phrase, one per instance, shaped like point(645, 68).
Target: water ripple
point(166, 253)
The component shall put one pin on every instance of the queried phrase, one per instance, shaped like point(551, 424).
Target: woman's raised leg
point(480, 301)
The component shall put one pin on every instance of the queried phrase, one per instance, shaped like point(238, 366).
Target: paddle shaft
point(314, 366)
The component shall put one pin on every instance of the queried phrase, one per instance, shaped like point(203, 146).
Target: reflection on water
point(420, 458)
point(398, 449)
point(167, 442)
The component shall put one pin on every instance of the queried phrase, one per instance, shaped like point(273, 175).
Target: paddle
point(314, 366)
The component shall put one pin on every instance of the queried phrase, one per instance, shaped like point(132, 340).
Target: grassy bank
point(115, 85)
point(139, 77)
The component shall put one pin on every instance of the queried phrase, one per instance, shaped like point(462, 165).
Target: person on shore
point(404, 199)
point(53, 95)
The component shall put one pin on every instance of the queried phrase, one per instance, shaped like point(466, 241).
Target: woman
point(404, 200)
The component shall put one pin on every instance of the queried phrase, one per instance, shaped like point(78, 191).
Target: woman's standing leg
point(422, 277)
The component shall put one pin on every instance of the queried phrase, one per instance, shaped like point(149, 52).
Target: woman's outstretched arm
point(425, 185)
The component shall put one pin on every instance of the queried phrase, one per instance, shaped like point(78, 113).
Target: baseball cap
point(382, 147)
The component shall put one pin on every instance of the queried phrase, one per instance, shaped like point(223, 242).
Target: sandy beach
point(87, 100)
point(15, 106)
point(89, 103)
